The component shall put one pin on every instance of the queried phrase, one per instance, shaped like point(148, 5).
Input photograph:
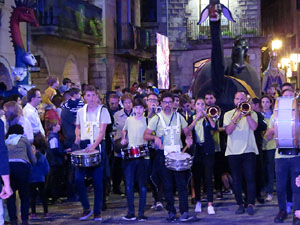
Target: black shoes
point(240, 210)
point(281, 216)
point(250, 210)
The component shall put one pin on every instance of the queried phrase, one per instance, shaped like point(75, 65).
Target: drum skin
point(286, 124)
point(81, 158)
point(178, 161)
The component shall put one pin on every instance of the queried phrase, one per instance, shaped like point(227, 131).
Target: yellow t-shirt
point(268, 145)
point(156, 125)
point(135, 131)
point(242, 139)
point(48, 95)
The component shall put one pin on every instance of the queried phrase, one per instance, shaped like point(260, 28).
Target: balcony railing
point(65, 15)
point(132, 37)
point(244, 27)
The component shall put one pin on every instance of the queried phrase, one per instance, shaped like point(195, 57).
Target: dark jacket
point(261, 126)
point(55, 156)
point(40, 169)
point(4, 166)
point(209, 145)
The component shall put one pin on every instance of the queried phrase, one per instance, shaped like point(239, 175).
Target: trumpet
point(244, 107)
point(158, 109)
point(214, 112)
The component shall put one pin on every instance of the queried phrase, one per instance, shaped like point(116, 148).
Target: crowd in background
point(40, 136)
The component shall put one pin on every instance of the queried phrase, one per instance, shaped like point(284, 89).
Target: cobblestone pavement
point(68, 213)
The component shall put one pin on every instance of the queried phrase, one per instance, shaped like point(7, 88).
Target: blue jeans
point(136, 169)
point(287, 168)
point(243, 164)
point(269, 163)
point(97, 174)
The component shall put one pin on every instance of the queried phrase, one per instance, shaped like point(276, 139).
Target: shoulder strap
point(162, 120)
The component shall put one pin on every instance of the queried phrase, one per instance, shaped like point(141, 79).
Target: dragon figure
point(22, 12)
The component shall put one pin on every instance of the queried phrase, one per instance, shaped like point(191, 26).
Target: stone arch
point(71, 70)
point(5, 71)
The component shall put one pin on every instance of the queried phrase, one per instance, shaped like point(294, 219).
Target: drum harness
point(170, 129)
point(90, 124)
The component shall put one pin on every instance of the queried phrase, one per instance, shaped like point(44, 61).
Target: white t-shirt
point(32, 115)
point(90, 122)
point(135, 131)
point(242, 139)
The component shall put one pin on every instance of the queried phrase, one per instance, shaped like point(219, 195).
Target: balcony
point(70, 19)
point(243, 27)
point(132, 40)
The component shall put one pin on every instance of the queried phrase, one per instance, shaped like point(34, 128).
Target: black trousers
point(38, 189)
point(243, 164)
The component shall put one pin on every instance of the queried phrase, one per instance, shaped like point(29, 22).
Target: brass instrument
point(244, 107)
point(214, 112)
point(158, 109)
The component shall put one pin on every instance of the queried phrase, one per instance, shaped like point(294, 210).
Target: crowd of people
point(135, 131)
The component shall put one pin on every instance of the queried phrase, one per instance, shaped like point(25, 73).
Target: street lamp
point(276, 44)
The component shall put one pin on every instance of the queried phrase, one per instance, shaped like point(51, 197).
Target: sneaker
point(269, 198)
point(171, 217)
point(86, 214)
point(198, 207)
point(47, 216)
point(250, 209)
point(129, 217)
point(97, 217)
point(33, 216)
point(289, 206)
point(211, 210)
point(153, 207)
point(142, 218)
point(240, 210)
point(204, 199)
point(185, 217)
point(219, 196)
point(227, 192)
point(159, 206)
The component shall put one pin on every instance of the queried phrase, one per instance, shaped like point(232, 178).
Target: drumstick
point(184, 149)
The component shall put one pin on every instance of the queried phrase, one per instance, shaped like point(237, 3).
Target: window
point(149, 11)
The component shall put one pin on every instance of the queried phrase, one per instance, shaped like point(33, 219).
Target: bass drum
point(286, 124)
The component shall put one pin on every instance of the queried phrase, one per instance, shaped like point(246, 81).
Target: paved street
point(68, 213)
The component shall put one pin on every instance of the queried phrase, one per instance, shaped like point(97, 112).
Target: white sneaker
point(269, 198)
point(211, 210)
point(198, 207)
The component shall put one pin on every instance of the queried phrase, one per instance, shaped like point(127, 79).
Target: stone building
point(190, 43)
point(97, 41)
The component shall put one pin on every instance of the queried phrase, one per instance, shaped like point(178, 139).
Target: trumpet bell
point(245, 107)
point(213, 112)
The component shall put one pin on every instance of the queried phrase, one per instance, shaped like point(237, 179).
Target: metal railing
point(244, 27)
point(132, 37)
point(77, 15)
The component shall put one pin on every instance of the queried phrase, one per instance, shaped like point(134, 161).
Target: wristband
point(235, 123)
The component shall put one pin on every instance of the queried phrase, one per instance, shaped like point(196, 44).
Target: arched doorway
point(71, 70)
point(5, 78)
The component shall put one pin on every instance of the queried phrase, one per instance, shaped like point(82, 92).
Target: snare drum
point(81, 158)
point(286, 124)
point(178, 161)
point(135, 152)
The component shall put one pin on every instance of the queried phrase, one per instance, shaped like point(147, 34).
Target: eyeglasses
point(152, 100)
point(167, 103)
